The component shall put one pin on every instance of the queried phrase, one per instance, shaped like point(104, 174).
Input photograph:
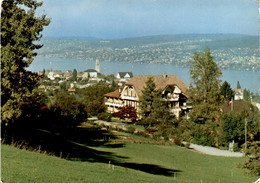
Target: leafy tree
point(206, 95)
point(227, 91)
point(93, 98)
point(19, 29)
point(233, 128)
point(238, 85)
point(247, 95)
point(67, 110)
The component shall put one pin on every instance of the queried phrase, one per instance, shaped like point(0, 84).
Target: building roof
point(123, 74)
point(90, 70)
point(114, 94)
point(161, 82)
point(240, 91)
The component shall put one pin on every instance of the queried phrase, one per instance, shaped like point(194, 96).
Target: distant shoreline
point(230, 51)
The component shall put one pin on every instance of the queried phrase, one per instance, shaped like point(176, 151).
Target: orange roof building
point(172, 88)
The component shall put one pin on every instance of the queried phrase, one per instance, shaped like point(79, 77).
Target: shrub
point(236, 147)
point(253, 163)
point(127, 112)
point(131, 129)
point(202, 136)
point(104, 116)
point(178, 142)
point(66, 110)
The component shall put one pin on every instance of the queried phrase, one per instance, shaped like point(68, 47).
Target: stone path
point(214, 151)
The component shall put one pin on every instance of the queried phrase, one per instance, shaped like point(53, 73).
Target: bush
point(253, 163)
point(127, 112)
point(104, 116)
point(67, 110)
point(178, 142)
point(236, 147)
point(131, 129)
point(202, 137)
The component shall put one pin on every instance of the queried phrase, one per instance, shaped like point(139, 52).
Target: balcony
point(114, 104)
point(170, 99)
point(129, 98)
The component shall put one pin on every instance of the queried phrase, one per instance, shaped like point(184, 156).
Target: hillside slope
point(138, 163)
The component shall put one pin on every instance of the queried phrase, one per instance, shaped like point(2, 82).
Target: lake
point(247, 79)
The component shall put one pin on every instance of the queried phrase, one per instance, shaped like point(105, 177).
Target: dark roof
point(122, 74)
point(90, 70)
point(238, 106)
point(161, 82)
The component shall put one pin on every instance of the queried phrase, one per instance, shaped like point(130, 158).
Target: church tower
point(97, 66)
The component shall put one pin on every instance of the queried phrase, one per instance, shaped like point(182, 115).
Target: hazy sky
point(131, 18)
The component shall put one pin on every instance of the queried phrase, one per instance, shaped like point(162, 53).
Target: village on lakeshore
point(130, 87)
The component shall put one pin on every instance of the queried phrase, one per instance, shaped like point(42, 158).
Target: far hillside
point(231, 51)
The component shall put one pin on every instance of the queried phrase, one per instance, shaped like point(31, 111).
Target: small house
point(92, 73)
point(124, 76)
point(239, 94)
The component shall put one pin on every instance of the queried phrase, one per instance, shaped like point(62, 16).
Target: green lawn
point(132, 163)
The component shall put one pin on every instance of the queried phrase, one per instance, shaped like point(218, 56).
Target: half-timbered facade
point(173, 91)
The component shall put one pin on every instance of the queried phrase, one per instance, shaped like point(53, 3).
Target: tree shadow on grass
point(77, 144)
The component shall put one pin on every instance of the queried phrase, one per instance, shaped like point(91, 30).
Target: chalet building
point(173, 90)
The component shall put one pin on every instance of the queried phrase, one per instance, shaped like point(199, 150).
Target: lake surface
point(247, 79)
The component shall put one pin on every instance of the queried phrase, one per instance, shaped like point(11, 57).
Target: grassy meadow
point(129, 162)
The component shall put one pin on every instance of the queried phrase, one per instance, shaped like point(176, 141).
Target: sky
point(111, 19)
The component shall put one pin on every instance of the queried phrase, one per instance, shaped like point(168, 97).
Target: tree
point(74, 75)
point(67, 110)
point(253, 163)
point(205, 95)
point(149, 96)
point(247, 95)
point(233, 128)
point(93, 98)
point(19, 29)
point(127, 112)
point(238, 85)
point(227, 91)
point(153, 109)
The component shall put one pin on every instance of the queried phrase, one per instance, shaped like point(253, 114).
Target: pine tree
point(227, 91)
point(238, 85)
point(148, 98)
point(153, 109)
point(74, 75)
point(205, 94)
point(19, 30)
